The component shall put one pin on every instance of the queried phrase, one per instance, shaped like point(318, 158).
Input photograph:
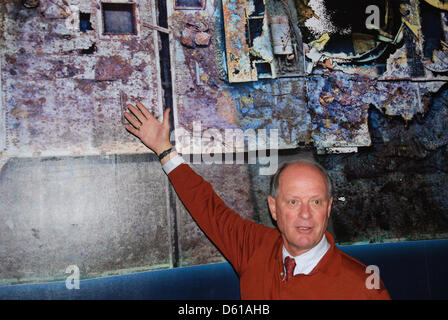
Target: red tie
point(290, 264)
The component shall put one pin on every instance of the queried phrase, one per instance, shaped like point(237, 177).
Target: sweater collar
point(306, 262)
point(326, 264)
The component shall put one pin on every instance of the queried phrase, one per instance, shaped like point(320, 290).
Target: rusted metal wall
point(64, 199)
point(76, 188)
point(59, 98)
point(208, 87)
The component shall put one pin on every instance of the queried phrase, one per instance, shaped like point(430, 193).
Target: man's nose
point(305, 211)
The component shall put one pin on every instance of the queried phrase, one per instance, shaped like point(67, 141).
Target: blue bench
point(410, 270)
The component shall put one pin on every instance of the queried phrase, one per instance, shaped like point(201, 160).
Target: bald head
point(312, 165)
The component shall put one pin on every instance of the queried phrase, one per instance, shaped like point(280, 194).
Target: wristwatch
point(166, 152)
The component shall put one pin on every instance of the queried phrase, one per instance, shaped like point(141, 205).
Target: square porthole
point(118, 18)
point(189, 4)
point(84, 22)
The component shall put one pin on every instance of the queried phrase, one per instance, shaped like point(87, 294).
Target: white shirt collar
point(306, 262)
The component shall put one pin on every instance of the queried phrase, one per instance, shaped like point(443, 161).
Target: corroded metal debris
point(195, 35)
point(220, 52)
point(60, 81)
point(240, 68)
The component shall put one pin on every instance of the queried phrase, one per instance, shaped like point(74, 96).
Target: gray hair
point(276, 177)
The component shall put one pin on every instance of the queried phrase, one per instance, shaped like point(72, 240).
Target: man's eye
point(292, 202)
point(316, 202)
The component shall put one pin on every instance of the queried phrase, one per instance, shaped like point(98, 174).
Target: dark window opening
point(118, 18)
point(255, 26)
point(84, 22)
point(259, 8)
point(89, 50)
point(431, 29)
point(264, 70)
point(189, 4)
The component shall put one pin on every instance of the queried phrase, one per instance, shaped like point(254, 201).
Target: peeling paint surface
point(243, 104)
point(339, 116)
point(55, 96)
point(238, 61)
point(400, 88)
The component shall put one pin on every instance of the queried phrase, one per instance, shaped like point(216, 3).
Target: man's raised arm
point(234, 236)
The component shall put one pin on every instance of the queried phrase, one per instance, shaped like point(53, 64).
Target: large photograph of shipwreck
point(361, 85)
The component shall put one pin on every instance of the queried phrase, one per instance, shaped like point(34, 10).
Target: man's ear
point(271, 203)
point(330, 204)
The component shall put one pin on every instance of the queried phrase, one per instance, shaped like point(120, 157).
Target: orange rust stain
point(20, 113)
point(225, 107)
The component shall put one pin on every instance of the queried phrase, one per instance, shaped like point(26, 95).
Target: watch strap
point(166, 152)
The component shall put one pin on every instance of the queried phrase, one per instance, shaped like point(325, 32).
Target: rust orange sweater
point(255, 251)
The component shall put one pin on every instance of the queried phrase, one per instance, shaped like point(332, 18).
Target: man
point(297, 260)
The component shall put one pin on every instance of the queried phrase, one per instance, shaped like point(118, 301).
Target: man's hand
point(153, 133)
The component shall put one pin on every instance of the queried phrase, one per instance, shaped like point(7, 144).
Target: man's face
point(302, 207)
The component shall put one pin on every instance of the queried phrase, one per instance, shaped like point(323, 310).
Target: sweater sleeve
point(235, 237)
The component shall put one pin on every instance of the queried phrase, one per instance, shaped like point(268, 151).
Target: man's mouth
point(304, 229)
